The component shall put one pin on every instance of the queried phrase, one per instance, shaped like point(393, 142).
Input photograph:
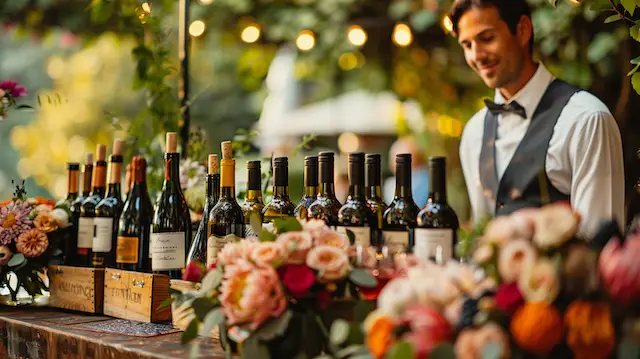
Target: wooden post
point(183, 85)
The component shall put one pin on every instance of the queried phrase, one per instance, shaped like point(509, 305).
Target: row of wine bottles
point(132, 235)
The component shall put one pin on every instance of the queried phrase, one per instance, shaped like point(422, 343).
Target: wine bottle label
point(85, 232)
point(428, 240)
point(127, 250)
point(397, 241)
point(102, 236)
point(362, 234)
point(167, 251)
point(269, 227)
point(248, 231)
point(215, 245)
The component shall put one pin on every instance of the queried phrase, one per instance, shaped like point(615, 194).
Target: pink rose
point(331, 238)
point(620, 269)
point(297, 245)
point(297, 278)
point(193, 272)
point(250, 294)
point(428, 329)
point(513, 257)
point(234, 251)
point(271, 253)
point(508, 298)
point(315, 227)
point(331, 263)
point(13, 88)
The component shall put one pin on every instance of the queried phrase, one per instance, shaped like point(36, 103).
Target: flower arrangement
point(30, 234)
point(9, 92)
point(267, 292)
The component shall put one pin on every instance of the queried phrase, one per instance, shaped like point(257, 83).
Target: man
point(541, 140)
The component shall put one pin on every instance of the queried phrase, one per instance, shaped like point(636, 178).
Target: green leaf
point(636, 60)
point(634, 32)
point(202, 307)
point(362, 309)
point(275, 327)
point(166, 303)
point(400, 9)
point(628, 350)
point(612, 18)
point(351, 351)
point(252, 348)
point(492, 350)
point(635, 82)
point(16, 260)
point(339, 332)
point(211, 281)
point(351, 236)
point(101, 11)
point(266, 236)
point(423, 19)
point(287, 224)
point(443, 351)
point(601, 46)
point(629, 5)
point(401, 350)
point(213, 318)
point(362, 278)
point(633, 70)
point(174, 291)
point(190, 333)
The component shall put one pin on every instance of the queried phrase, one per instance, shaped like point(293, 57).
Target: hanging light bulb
point(250, 34)
point(146, 7)
point(356, 35)
point(402, 35)
point(197, 28)
point(447, 24)
point(306, 40)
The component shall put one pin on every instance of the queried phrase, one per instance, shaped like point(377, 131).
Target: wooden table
point(46, 333)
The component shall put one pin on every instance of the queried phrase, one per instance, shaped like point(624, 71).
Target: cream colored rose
point(331, 263)
point(270, 253)
point(396, 296)
point(61, 216)
point(555, 224)
point(45, 222)
point(483, 254)
point(332, 238)
point(539, 281)
point(513, 257)
point(234, 251)
point(297, 246)
point(316, 227)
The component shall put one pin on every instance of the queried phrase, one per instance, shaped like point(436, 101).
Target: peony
point(513, 257)
point(332, 238)
point(315, 227)
point(555, 224)
point(397, 295)
point(428, 329)
point(509, 298)
point(32, 243)
point(620, 269)
point(234, 251)
point(250, 294)
point(297, 278)
point(518, 225)
point(193, 272)
point(539, 281)
point(331, 263)
point(271, 253)
point(297, 245)
point(45, 222)
point(471, 342)
point(61, 216)
point(5, 255)
point(13, 88)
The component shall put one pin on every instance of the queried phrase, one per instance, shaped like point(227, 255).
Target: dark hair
point(509, 10)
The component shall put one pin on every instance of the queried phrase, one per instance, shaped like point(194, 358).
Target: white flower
point(555, 224)
point(192, 174)
point(396, 296)
point(61, 216)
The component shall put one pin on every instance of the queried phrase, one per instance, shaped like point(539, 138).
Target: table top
point(48, 333)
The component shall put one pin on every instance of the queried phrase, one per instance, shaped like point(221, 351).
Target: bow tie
point(511, 107)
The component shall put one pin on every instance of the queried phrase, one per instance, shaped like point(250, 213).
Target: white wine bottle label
point(215, 245)
point(85, 232)
point(102, 236)
point(428, 240)
point(362, 234)
point(269, 227)
point(397, 241)
point(167, 251)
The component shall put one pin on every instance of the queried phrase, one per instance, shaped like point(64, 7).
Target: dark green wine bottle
point(326, 206)
point(373, 183)
point(86, 226)
point(354, 215)
point(253, 206)
point(280, 205)
point(198, 250)
point(310, 187)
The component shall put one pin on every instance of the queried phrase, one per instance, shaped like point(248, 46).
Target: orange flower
point(45, 222)
point(537, 327)
point(379, 336)
point(43, 200)
point(590, 333)
point(32, 243)
point(4, 203)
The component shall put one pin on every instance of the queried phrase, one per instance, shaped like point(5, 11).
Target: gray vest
point(525, 182)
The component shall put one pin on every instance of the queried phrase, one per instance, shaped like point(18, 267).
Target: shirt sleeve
point(597, 186)
point(470, 145)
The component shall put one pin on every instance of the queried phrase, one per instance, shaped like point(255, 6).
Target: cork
point(101, 152)
point(227, 150)
point(213, 164)
point(172, 142)
point(88, 158)
point(117, 147)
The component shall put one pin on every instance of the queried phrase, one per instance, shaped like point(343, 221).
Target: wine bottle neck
point(356, 192)
point(281, 192)
point(172, 169)
point(87, 174)
point(99, 177)
point(227, 179)
point(228, 193)
point(403, 181)
point(114, 190)
point(328, 190)
point(254, 196)
point(311, 191)
point(115, 169)
point(374, 192)
point(212, 189)
point(437, 182)
point(72, 184)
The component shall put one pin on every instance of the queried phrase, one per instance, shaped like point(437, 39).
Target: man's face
point(490, 48)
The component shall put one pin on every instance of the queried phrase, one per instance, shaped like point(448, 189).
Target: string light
point(356, 35)
point(306, 40)
point(205, 2)
point(402, 35)
point(146, 7)
point(348, 61)
point(574, 2)
point(447, 24)
point(250, 34)
point(197, 28)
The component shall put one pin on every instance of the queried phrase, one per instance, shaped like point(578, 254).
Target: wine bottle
point(76, 207)
point(86, 227)
point(128, 179)
point(253, 205)
point(280, 205)
point(438, 223)
point(134, 228)
point(73, 173)
point(198, 250)
point(310, 187)
point(373, 182)
point(354, 215)
point(105, 238)
point(70, 234)
point(171, 226)
point(226, 221)
point(326, 206)
point(399, 219)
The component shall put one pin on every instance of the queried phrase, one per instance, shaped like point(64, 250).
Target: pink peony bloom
point(250, 294)
point(297, 278)
point(620, 269)
point(234, 251)
point(193, 272)
point(270, 253)
point(428, 329)
point(513, 257)
point(508, 298)
point(331, 263)
point(539, 281)
point(331, 238)
point(315, 227)
point(297, 245)
point(13, 88)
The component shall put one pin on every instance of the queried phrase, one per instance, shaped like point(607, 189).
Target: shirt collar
point(531, 94)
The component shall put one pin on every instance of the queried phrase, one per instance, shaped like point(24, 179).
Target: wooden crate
point(76, 288)
point(136, 296)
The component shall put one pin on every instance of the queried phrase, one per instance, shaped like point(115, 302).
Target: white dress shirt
point(584, 158)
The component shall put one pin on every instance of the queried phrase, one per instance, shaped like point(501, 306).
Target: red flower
point(509, 298)
point(13, 88)
point(297, 278)
point(193, 272)
point(323, 299)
